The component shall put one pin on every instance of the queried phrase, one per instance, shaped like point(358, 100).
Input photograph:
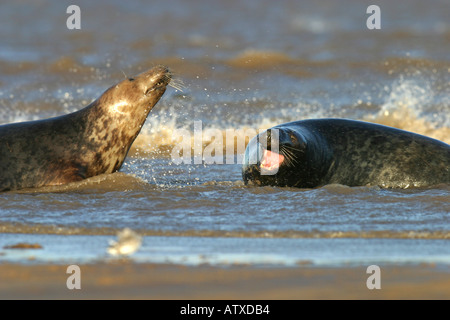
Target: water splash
point(407, 107)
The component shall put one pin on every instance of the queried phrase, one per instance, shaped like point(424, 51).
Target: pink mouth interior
point(271, 160)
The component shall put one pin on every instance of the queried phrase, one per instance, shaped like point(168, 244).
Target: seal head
point(282, 156)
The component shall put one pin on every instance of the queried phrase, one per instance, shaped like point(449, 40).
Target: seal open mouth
point(271, 160)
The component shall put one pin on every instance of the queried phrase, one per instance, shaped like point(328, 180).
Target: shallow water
point(225, 252)
point(244, 65)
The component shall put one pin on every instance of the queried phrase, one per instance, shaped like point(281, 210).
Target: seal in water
point(317, 152)
point(79, 145)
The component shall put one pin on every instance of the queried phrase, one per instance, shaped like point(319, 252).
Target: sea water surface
point(245, 65)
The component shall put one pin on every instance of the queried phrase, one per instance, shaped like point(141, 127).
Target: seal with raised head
point(317, 152)
point(89, 142)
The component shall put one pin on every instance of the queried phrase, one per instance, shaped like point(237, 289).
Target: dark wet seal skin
point(318, 152)
point(92, 141)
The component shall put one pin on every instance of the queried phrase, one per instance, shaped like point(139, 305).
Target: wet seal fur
point(317, 152)
point(89, 142)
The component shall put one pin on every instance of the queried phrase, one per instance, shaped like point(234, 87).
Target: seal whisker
point(289, 156)
point(288, 161)
point(291, 148)
point(177, 84)
point(293, 161)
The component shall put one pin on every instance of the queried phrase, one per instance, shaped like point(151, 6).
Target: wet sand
point(127, 280)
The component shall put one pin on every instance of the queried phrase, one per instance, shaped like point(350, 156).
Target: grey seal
point(92, 141)
point(316, 152)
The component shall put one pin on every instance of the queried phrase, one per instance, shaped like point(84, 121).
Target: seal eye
point(293, 138)
point(157, 85)
point(131, 79)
